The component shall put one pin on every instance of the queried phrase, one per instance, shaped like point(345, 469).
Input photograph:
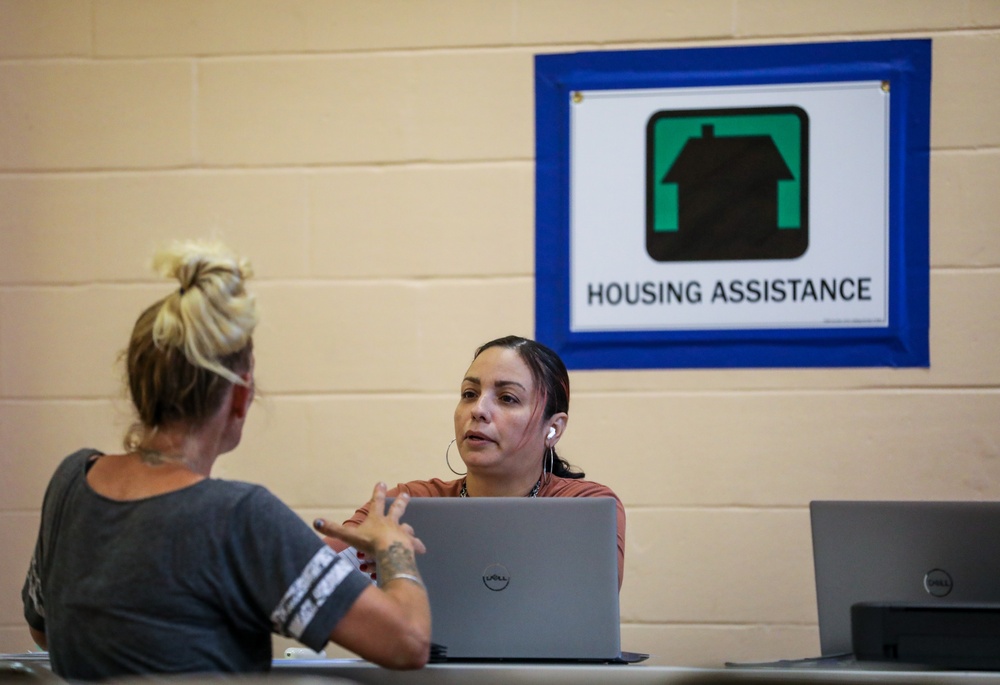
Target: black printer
point(957, 635)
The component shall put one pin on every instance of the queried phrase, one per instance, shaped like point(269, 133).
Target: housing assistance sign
point(754, 206)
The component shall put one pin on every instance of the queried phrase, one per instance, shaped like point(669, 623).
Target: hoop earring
point(448, 462)
point(550, 454)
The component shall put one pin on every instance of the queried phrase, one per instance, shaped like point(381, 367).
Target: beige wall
point(374, 158)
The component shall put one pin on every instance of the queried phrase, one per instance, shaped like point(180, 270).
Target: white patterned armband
point(35, 588)
point(310, 591)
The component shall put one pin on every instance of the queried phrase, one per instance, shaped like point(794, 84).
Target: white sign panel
point(666, 186)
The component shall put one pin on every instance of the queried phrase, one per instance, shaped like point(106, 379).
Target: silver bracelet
point(404, 576)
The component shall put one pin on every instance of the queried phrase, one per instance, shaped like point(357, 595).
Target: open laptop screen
point(517, 578)
point(900, 551)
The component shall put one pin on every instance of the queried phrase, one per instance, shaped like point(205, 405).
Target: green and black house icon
point(727, 184)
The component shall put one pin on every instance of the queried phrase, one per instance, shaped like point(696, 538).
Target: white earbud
point(552, 432)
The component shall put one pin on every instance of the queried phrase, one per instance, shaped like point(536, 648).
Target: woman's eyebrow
point(498, 384)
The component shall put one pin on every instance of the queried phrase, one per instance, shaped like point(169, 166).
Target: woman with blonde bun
point(146, 564)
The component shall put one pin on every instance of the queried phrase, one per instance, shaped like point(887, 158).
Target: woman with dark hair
point(146, 564)
point(512, 410)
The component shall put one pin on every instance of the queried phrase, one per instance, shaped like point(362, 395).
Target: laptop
point(930, 553)
point(521, 579)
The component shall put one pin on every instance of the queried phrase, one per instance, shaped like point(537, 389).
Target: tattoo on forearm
point(396, 559)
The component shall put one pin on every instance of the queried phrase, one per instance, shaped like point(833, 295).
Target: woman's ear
point(555, 427)
point(243, 396)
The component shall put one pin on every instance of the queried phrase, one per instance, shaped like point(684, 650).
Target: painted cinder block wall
point(374, 159)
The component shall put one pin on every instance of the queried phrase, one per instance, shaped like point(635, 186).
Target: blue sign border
point(905, 64)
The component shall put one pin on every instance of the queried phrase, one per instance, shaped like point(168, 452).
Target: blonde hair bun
point(211, 315)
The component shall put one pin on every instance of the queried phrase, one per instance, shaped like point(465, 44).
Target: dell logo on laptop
point(937, 582)
point(496, 577)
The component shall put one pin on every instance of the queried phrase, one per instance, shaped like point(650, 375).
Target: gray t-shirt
point(193, 580)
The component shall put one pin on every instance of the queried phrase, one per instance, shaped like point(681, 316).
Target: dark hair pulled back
point(551, 377)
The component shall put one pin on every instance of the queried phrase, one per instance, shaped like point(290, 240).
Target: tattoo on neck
point(396, 559)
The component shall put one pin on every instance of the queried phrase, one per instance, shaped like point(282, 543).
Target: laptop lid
point(870, 551)
point(520, 578)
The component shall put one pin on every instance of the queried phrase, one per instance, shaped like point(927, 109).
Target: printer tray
point(962, 636)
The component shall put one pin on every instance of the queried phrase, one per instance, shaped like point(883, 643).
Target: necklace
point(155, 457)
point(534, 491)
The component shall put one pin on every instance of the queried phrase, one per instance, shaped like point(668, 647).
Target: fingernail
point(319, 523)
point(404, 495)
